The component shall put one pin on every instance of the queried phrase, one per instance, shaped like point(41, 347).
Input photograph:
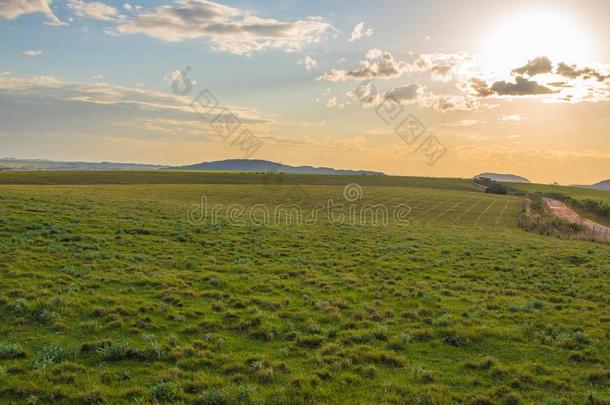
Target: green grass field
point(195, 177)
point(108, 292)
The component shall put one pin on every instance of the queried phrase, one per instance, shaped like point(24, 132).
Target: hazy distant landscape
point(231, 165)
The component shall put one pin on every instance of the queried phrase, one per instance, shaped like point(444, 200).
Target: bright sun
point(528, 35)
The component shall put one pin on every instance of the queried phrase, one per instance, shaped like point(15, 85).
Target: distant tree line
point(494, 187)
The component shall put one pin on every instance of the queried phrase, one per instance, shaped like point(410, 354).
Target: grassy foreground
point(108, 293)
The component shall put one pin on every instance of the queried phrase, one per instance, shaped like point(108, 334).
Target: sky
point(437, 88)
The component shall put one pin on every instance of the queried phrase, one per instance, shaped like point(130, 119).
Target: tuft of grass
point(19, 306)
point(164, 391)
point(114, 351)
point(153, 349)
point(599, 376)
point(9, 350)
point(484, 363)
point(53, 354)
point(232, 394)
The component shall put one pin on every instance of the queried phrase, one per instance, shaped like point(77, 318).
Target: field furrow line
point(449, 209)
point(502, 212)
point(467, 211)
point(485, 211)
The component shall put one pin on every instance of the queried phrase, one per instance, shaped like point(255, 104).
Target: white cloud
point(358, 32)
point(127, 6)
point(373, 53)
point(94, 10)
point(464, 123)
point(473, 81)
point(334, 103)
point(460, 67)
point(11, 9)
point(33, 52)
point(566, 84)
point(404, 94)
point(513, 118)
point(227, 28)
point(413, 94)
point(444, 102)
point(308, 62)
point(366, 94)
point(446, 67)
point(380, 65)
point(174, 76)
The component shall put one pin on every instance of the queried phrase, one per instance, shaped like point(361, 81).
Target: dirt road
point(562, 211)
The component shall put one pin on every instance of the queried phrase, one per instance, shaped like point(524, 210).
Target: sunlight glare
point(528, 35)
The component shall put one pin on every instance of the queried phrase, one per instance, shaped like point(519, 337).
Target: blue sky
point(91, 80)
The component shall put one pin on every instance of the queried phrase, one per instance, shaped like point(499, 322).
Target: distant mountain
point(510, 178)
point(232, 165)
point(43, 164)
point(253, 165)
point(602, 185)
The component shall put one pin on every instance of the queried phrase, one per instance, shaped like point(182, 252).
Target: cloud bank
point(45, 104)
point(227, 28)
point(471, 81)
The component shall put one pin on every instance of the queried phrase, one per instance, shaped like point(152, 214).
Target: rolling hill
point(602, 185)
point(254, 165)
point(511, 178)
